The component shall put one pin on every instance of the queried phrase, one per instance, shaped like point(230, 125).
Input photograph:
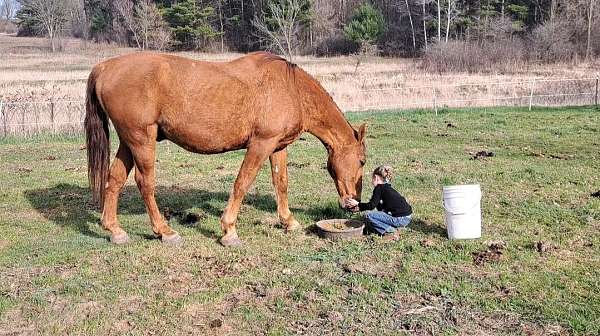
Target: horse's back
point(203, 106)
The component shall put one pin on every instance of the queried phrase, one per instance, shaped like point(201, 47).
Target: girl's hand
point(351, 203)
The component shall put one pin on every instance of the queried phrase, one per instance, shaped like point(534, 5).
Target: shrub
point(550, 42)
point(466, 56)
point(336, 45)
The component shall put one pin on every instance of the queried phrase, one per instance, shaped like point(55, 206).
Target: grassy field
point(31, 73)
point(535, 271)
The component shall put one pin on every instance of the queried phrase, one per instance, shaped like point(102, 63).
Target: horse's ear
point(361, 132)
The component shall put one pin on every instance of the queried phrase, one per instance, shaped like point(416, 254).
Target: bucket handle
point(459, 213)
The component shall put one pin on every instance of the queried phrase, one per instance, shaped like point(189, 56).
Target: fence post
point(52, 116)
point(531, 94)
point(595, 97)
point(435, 101)
point(3, 116)
point(22, 119)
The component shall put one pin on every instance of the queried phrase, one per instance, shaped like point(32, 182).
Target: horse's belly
point(207, 138)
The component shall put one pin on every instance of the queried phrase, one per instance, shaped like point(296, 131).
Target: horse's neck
point(321, 116)
point(328, 124)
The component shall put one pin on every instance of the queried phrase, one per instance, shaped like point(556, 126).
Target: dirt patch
point(14, 323)
point(185, 218)
point(168, 213)
point(493, 253)
point(190, 219)
point(543, 246)
point(298, 165)
point(481, 155)
point(427, 242)
point(121, 327)
point(551, 156)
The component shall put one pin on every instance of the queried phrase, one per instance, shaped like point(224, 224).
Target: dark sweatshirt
point(388, 200)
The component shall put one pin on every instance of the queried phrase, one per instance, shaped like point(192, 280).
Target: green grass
point(59, 275)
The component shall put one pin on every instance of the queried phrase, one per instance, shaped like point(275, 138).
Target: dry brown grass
point(29, 72)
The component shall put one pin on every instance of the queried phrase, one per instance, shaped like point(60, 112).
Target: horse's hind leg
point(119, 170)
point(279, 174)
point(144, 156)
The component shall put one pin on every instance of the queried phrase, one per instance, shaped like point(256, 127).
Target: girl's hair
point(385, 172)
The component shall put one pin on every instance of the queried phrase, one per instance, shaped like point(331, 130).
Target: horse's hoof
point(173, 239)
point(229, 242)
point(119, 239)
point(292, 226)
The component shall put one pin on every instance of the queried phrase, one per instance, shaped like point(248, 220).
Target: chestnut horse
point(259, 102)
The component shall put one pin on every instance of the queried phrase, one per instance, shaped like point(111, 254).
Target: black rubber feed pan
point(340, 229)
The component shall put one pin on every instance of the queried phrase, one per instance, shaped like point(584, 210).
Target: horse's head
point(345, 165)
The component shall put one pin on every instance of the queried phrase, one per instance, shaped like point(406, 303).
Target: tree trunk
point(412, 27)
point(51, 37)
point(221, 23)
point(424, 25)
point(588, 50)
point(448, 18)
point(439, 23)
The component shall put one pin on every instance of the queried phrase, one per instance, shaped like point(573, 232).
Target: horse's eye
point(362, 162)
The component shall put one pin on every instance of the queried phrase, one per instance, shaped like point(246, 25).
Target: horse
point(259, 102)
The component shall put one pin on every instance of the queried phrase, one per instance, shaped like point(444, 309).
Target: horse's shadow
point(70, 205)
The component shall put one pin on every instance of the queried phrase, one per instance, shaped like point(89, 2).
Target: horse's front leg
point(256, 154)
point(279, 174)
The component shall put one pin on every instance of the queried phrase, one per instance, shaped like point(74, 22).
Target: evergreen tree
point(365, 26)
point(191, 24)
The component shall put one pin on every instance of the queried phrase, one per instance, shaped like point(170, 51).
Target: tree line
point(544, 29)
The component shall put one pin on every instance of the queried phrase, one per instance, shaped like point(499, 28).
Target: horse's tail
point(97, 141)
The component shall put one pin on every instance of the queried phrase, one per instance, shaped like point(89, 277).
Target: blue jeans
point(383, 223)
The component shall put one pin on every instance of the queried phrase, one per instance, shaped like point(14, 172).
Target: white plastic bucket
point(463, 211)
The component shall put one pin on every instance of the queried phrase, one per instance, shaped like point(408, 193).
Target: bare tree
point(7, 9)
point(125, 11)
point(451, 14)
point(280, 29)
point(424, 18)
point(439, 21)
point(80, 24)
point(412, 27)
point(150, 26)
point(221, 25)
point(588, 49)
point(52, 16)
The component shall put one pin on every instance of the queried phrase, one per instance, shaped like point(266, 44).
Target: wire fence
point(23, 118)
point(537, 92)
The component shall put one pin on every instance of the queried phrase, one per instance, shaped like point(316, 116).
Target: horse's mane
point(268, 57)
